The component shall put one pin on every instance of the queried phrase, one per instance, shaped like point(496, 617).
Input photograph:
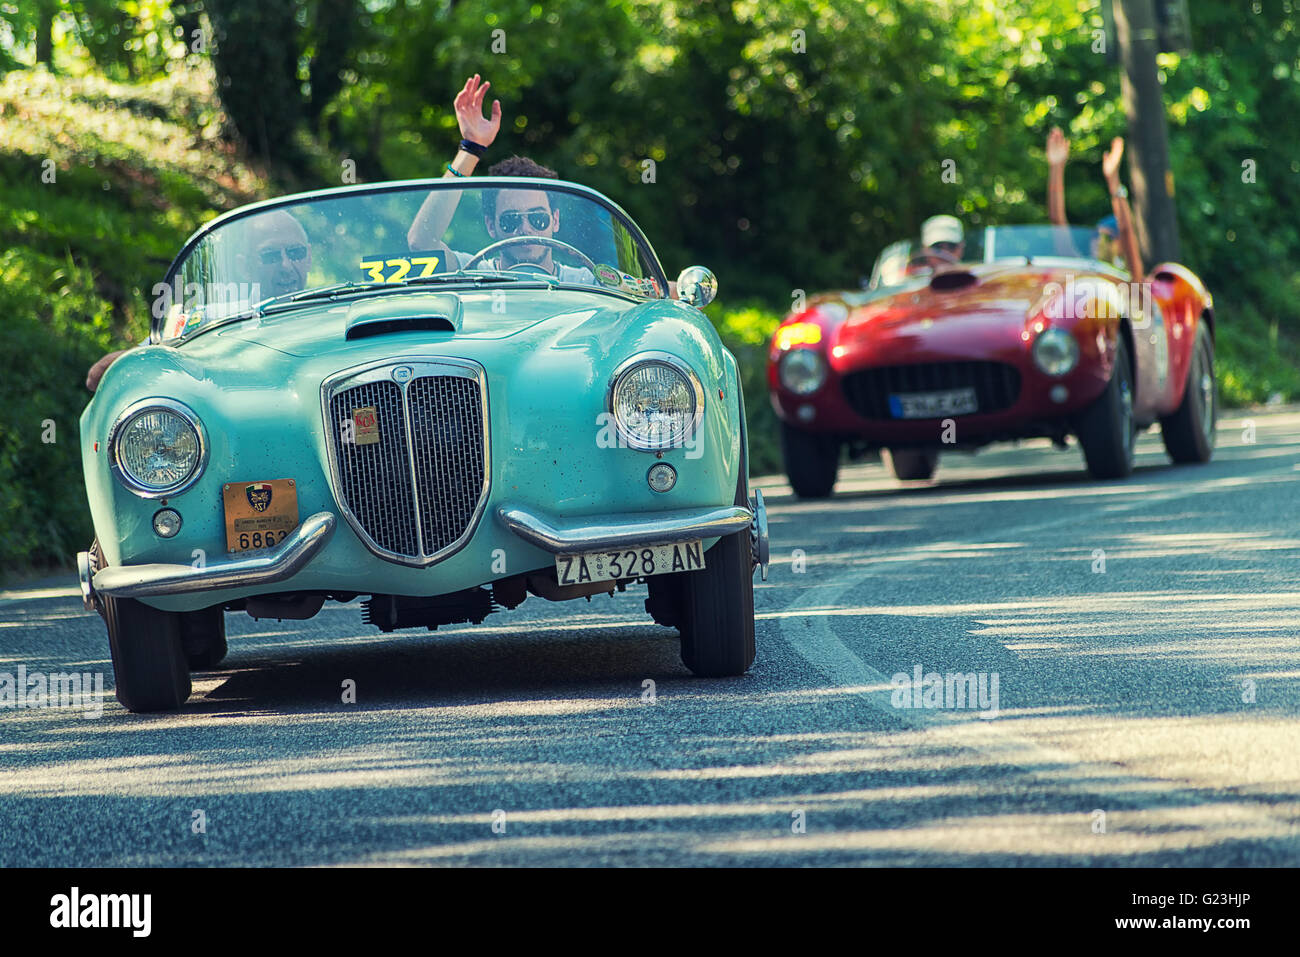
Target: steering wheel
point(534, 240)
point(922, 257)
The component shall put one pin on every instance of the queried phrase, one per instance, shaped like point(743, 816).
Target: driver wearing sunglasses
point(511, 213)
point(280, 255)
point(277, 261)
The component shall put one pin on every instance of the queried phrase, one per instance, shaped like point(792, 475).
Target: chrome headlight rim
point(822, 366)
point(675, 363)
point(132, 412)
point(1064, 337)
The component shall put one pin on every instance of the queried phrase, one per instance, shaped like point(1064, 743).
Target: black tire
point(713, 609)
point(149, 666)
point(812, 461)
point(203, 636)
point(913, 465)
point(1188, 434)
point(1105, 429)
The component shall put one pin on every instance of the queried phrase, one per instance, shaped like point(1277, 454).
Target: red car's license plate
point(933, 405)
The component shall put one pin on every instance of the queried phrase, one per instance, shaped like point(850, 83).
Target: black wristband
point(474, 149)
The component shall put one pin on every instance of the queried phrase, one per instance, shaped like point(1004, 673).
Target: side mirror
point(697, 286)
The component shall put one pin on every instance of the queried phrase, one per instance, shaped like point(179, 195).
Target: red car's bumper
point(1022, 400)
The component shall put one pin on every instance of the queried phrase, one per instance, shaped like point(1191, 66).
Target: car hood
point(980, 296)
point(531, 333)
point(427, 317)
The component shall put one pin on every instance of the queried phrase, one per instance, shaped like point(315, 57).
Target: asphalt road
point(1148, 707)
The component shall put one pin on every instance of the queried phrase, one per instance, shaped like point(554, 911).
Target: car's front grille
point(413, 485)
point(996, 385)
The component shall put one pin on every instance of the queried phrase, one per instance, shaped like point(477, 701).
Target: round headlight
point(157, 448)
point(1055, 352)
point(656, 401)
point(802, 371)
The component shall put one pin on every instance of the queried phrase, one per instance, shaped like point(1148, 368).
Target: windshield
point(440, 232)
point(907, 260)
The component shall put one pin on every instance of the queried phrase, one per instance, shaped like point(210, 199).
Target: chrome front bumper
point(264, 566)
point(593, 533)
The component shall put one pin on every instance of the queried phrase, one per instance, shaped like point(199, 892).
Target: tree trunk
point(1153, 184)
point(45, 33)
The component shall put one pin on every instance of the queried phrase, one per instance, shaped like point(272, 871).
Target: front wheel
point(1188, 434)
point(1105, 429)
point(149, 668)
point(713, 608)
point(812, 461)
point(913, 465)
point(203, 636)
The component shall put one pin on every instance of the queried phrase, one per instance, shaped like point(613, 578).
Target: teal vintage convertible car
point(333, 405)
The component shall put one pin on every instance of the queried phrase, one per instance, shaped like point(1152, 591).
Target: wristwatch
point(1122, 193)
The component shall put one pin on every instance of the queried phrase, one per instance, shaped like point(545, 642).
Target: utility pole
point(1148, 145)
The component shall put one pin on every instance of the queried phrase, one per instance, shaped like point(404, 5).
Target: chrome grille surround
point(386, 491)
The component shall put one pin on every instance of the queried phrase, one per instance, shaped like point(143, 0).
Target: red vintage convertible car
point(1024, 335)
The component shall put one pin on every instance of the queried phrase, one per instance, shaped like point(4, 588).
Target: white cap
point(941, 229)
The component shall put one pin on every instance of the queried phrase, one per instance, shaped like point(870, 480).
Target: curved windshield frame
point(907, 262)
point(340, 242)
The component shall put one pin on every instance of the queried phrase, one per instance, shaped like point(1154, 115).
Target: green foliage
point(746, 329)
point(100, 183)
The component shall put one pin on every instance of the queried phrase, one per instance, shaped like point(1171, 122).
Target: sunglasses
point(946, 247)
point(511, 221)
point(271, 257)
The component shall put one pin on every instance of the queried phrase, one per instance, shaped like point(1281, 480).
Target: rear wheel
point(1188, 434)
point(812, 461)
point(203, 636)
point(1105, 429)
point(149, 667)
point(911, 465)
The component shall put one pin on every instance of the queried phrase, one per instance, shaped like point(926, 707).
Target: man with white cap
point(942, 240)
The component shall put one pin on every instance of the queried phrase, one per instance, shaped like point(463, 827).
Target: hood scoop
point(952, 279)
point(418, 312)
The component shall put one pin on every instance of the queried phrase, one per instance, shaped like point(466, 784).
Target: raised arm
point(1058, 151)
point(439, 207)
point(1120, 207)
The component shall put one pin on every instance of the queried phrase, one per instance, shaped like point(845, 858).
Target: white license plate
point(629, 563)
point(933, 405)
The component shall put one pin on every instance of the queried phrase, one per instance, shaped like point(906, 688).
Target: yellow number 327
point(401, 268)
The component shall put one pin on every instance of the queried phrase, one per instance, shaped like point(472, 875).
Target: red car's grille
point(996, 385)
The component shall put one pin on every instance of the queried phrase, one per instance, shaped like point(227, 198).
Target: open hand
point(474, 126)
point(1058, 147)
point(1110, 161)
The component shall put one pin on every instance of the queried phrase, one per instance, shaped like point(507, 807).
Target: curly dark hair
point(513, 166)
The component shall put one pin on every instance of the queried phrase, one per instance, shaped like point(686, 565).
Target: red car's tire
point(1188, 433)
point(913, 465)
point(812, 461)
point(1106, 428)
point(149, 668)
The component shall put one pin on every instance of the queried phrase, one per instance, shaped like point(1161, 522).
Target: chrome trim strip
point(139, 408)
point(83, 573)
point(421, 366)
point(597, 532)
point(263, 566)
